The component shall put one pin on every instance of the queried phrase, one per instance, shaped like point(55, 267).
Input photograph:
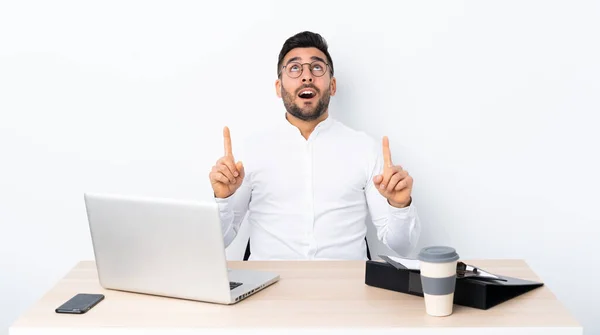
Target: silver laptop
point(166, 247)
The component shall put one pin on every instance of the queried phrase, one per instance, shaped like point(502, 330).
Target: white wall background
point(492, 106)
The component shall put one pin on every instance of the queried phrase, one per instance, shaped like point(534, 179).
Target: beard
point(306, 112)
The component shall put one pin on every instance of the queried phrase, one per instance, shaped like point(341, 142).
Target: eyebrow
point(318, 58)
point(294, 59)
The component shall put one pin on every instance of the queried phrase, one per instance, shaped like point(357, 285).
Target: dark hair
point(305, 39)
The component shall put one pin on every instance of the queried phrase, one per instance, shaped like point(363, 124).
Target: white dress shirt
point(309, 199)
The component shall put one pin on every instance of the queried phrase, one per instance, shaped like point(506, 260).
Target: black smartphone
point(80, 303)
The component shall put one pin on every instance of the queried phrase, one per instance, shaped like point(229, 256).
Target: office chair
point(247, 253)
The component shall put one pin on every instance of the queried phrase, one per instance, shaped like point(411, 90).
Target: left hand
point(394, 183)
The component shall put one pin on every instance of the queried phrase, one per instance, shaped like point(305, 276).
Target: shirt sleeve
point(232, 210)
point(397, 228)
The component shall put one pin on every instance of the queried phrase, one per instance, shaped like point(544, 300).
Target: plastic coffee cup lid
point(438, 254)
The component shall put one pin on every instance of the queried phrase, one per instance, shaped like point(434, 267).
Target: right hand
point(226, 176)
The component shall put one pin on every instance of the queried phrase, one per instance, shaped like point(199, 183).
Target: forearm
point(232, 211)
point(401, 229)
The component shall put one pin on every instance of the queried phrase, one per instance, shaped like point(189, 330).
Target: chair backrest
point(247, 253)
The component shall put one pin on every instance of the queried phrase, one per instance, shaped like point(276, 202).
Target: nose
point(307, 76)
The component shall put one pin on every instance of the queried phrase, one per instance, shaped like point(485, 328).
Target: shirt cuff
point(226, 215)
point(224, 203)
point(404, 212)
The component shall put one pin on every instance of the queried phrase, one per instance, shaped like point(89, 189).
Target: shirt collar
point(321, 126)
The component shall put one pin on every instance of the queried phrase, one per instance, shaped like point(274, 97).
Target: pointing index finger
point(227, 141)
point(387, 155)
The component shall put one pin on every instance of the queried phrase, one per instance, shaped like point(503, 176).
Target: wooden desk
point(312, 296)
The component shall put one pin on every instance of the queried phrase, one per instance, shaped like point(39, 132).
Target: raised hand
point(226, 176)
point(395, 184)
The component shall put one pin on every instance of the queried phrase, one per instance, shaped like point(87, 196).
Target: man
point(309, 184)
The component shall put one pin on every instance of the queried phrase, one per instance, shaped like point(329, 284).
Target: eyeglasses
point(295, 69)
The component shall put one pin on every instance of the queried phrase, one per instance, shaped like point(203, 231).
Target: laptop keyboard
point(233, 284)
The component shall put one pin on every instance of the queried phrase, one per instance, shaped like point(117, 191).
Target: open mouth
point(307, 94)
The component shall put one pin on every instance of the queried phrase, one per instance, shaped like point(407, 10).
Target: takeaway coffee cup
point(438, 278)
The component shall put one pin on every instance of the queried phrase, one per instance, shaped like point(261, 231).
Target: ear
point(332, 86)
point(278, 87)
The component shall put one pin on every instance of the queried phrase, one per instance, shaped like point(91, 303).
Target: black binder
point(471, 292)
